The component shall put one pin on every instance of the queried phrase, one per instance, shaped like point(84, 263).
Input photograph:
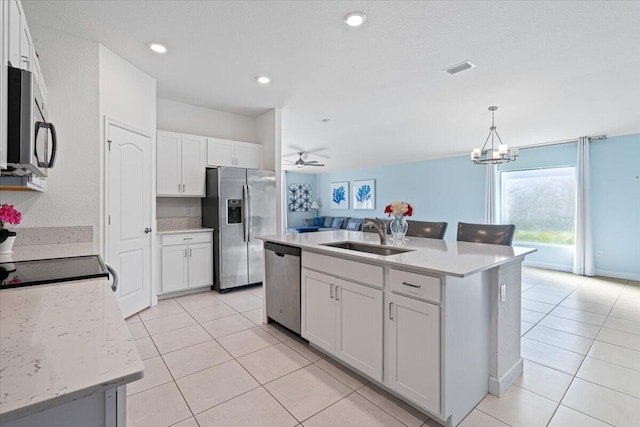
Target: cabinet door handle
point(337, 293)
point(390, 310)
point(185, 253)
point(190, 253)
point(331, 291)
point(178, 188)
point(187, 238)
point(183, 188)
point(411, 284)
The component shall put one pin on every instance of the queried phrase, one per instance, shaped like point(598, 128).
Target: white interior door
point(129, 216)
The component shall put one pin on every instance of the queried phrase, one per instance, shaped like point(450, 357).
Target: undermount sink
point(372, 249)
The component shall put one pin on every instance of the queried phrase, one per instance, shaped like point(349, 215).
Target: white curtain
point(490, 193)
point(583, 257)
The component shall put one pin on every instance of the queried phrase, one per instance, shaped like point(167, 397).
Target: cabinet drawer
point(353, 270)
point(187, 238)
point(415, 285)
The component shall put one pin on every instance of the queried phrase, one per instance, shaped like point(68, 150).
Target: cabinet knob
point(147, 230)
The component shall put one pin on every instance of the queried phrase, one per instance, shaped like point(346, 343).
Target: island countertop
point(61, 342)
point(442, 257)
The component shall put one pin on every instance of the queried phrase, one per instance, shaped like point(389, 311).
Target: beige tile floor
point(209, 361)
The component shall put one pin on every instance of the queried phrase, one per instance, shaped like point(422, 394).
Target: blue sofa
point(325, 223)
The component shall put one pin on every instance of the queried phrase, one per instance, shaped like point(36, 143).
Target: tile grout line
point(573, 378)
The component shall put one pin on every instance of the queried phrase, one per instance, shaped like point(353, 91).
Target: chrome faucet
point(380, 229)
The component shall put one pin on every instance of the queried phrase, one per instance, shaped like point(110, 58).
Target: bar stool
point(495, 234)
point(431, 230)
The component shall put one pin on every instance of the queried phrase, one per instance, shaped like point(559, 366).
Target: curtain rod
point(564, 141)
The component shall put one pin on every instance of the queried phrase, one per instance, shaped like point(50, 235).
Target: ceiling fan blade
point(311, 161)
point(313, 164)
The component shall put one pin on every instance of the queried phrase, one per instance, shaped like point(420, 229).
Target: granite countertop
point(442, 257)
point(186, 230)
point(60, 342)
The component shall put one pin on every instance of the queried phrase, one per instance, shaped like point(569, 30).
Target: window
point(541, 203)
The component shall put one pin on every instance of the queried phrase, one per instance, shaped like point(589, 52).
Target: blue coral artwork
point(364, 194)
point(339, 195)
point(299, 197)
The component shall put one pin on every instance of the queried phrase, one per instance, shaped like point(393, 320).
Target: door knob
point(147, 230)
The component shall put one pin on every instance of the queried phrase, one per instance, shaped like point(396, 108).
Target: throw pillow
point(328, 220)
point(337, 223)
point(354, 224)
point(318, 222)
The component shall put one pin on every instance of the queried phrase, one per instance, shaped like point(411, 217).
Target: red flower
point(9, 215)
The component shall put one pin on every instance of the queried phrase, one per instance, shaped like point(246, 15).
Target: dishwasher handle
point(282, 250)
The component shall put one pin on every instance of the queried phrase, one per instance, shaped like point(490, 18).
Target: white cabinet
point(359, 327)
point(180, 168)
point(14, 32)
point(186, 261)
point(412, 350)
point(318, 309)
point(4, 57)
point(224, 152)
point(344, 319)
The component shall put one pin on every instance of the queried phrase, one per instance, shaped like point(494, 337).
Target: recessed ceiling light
point(355, 19)
point(263, 80)
point(157, 47)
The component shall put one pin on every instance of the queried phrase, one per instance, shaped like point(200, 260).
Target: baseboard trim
point(548, 266)
point(498, 386)
point(617, 274)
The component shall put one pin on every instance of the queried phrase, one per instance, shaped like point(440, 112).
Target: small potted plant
point(8, 215)
point(398, 225)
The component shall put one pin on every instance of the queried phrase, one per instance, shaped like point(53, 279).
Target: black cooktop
point(43, 271)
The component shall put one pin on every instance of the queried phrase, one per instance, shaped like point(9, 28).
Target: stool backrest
point(431, 230)
point(496, 234)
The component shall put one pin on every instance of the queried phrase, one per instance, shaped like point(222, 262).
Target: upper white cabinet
point(180, 167)
point(4, 54)
point(225, 152)
point(15, 23)
point(17, 50)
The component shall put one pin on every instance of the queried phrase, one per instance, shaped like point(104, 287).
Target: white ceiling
point(557, 70)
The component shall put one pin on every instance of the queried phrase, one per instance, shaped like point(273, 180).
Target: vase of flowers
point(8, 215)
point(398, 226)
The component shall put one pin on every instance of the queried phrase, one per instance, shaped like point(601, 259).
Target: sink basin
point(371, 249)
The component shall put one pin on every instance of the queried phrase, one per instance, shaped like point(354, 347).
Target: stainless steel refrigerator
point(240, 205)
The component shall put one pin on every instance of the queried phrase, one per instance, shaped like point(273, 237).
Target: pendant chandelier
point(493, 155)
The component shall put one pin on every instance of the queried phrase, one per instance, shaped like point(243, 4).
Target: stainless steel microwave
point(31, 139)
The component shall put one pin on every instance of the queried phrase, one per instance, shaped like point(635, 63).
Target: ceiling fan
point(301, 163)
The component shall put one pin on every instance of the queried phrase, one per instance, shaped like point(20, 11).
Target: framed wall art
point(339, 195)
point(364, 194)
point(299, 197)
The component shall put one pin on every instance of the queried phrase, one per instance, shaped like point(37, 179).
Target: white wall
point(126, 94)
point(179, 117)
point(70, 68)
point(268, 133)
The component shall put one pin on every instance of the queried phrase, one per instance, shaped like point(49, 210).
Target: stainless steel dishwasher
point(282, 286)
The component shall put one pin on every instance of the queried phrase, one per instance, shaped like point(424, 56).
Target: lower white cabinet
point(412, 350)
point(344, 319)
point(186, 261)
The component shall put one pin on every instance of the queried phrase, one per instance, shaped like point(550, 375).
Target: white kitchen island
point(437, 325)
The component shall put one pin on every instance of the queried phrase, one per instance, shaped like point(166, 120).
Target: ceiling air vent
point(455, 69)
